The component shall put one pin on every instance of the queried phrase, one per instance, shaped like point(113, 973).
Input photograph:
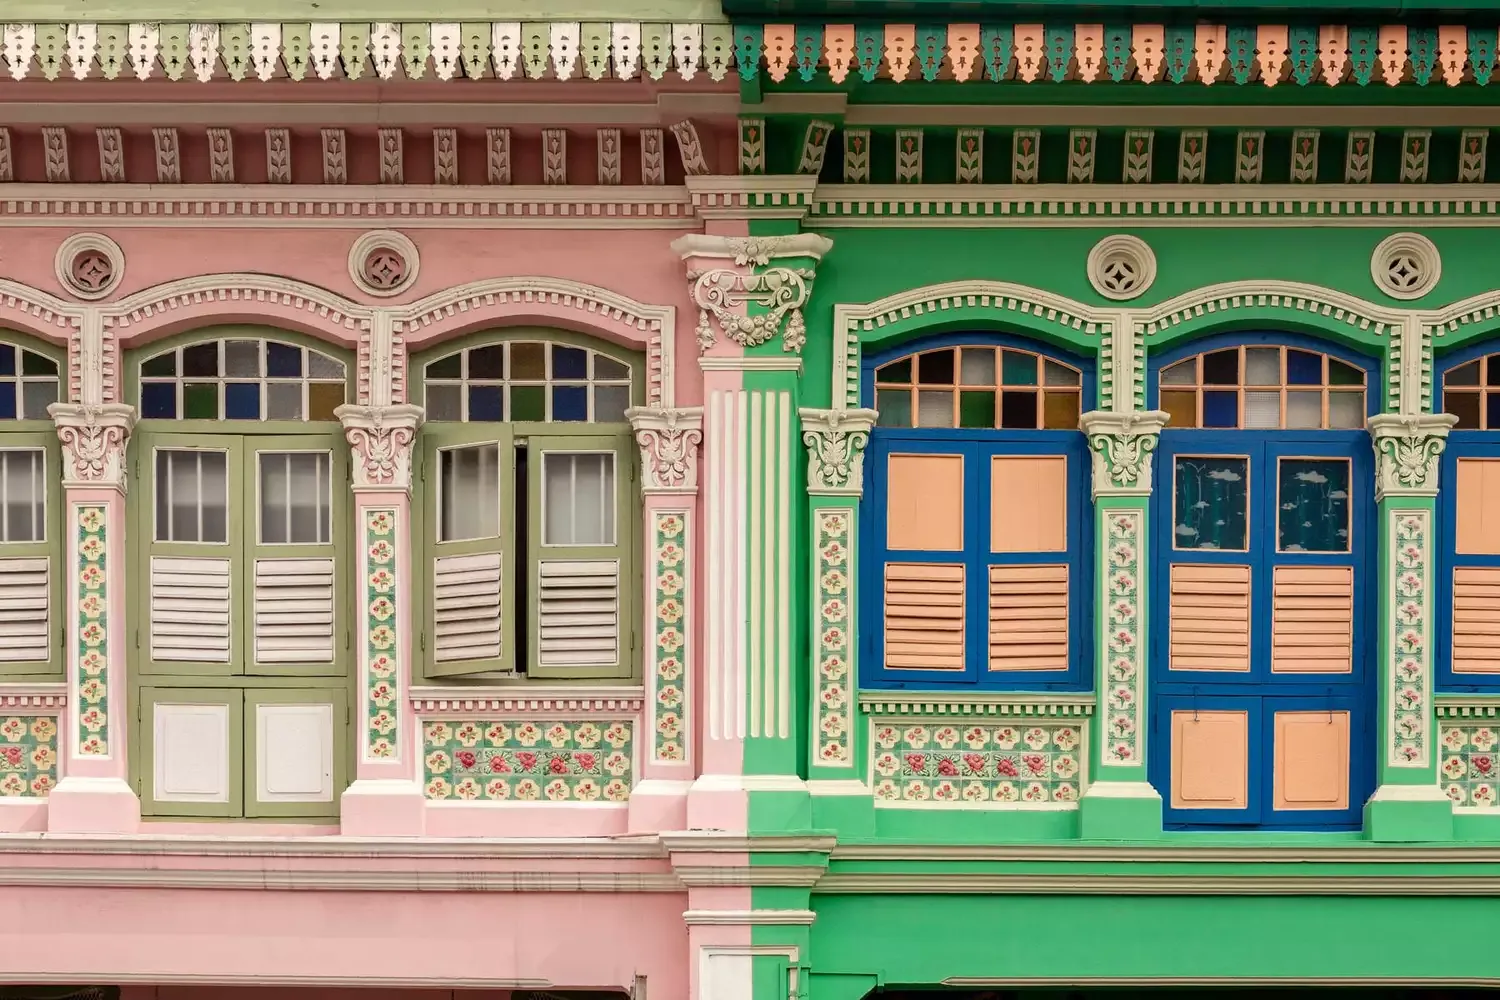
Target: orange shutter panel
point(1312, 620)
point(924, 616)
point(1029, 617)
point(1476, 620)
point(1210, 610)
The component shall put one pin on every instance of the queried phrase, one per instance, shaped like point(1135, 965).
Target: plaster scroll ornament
point(669, 440)
point(93, 437)
point(1121, 444)
point(382, 439)
point(1407, 447)
point(722, 293)
point(836, 441)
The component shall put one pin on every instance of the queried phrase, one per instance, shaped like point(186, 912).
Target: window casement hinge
point(137, 638)
point(348, 642)
point(348, 714)
point(422, 641)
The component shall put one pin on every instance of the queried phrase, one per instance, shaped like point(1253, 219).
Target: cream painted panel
point(1312, 760)
point(1477, 524)
point(1210, 760)
point(294, 753)
point(1029, 503)
point(192, 750)
point(925, 503)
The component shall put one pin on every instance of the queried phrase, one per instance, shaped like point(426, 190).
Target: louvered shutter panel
point(293, 613)
point(583, 522)
point(1029, 617)
point(1210, 617)
point(578, 609)
point(924, 616)
point(1312, 619)
point(466, 607)
point(1476, 620)
point(469, 600)
point(190, 609)
point(25, 591)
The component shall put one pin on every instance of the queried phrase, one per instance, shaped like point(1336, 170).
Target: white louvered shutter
point(190, 609)
point(25, 590)
point(578, 613)
point(466, 607)
point(293, 613)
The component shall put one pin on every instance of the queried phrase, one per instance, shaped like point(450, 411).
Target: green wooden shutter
point(32, 571)
point(189, 588)
point(295, 602)
point(469, 566)
point(581, 538)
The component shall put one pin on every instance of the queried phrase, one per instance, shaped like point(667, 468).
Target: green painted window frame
point(234, 700)
point(42, 434)
point(441, 435)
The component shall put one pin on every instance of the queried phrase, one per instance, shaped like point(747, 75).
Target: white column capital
point(669, 440)
point(836, 442)
point(1122, 443)
point(93, 437)
point(382, 439)
point(1407, 446)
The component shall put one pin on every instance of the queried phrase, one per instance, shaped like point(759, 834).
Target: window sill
point(524, 695)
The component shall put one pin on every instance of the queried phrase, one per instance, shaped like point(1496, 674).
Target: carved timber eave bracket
point(724, 294)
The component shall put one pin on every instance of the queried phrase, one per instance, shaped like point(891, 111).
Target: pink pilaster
point(386, 796)
point(94, 794)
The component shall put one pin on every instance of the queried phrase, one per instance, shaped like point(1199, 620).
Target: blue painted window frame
point(1461, 444)
point(1259, 691)
point(978, 445)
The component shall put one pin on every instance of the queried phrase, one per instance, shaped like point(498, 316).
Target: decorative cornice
point(749, 918)
point(620, 702)
point(669, 441)
point(725, 293)
point(939, 703)
point(1407, 447)
point(381, 440)
point(835, 441)
point(751, 196)
point(93, 438)
point(1467, 706)
point(1122, 443)
point(1115, 884)
point(33, 696)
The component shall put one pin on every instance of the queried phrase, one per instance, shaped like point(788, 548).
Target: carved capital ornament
point(836, 441)
point(723, 294)
point(1407, 447)
point(669, 440)
point(381, 440)
point(93, 437)
point(1121, 444)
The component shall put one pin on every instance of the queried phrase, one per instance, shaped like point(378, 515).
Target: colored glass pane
point(1181, 407)
point(609, 368)
point(528, 361)
point(486, 403)
point(1262, 366)
point(1304, 368)
point(283, 360)
point(1221, 408)
point(570, 402)
point(978, 366)
point(1017, 368)
point(37, 364)
point(242, 358)
point(935, 368)
point(444, 402)
point(610, 403)
point(201, 360)
point(976, 409)
point(1221, 367)
point(1018, 410)
point(200, 401)
point(1492, 410)
point(894, 407)
point(569, 362)
point(158, 400)
point(1464, 374)
point(897, 372)
point(487, 362)
point(1342, 374)
point(935, 408)
point(7, 359)
point(284, 401)
point(1464, 406)
point(162, 364)
point(527, 402)
point(36, 397)
point(1060, 411)
point(242, 401)
point(7, 400)
point(1312, 497)
point(450, 367)
point(323, 398)
point(1346, 410)
point(1491, 371)
point(1211, 502)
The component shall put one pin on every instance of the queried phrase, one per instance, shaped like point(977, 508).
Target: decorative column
point(750, 292)
point(386, 796)
point(669, 440)
point(94, 795)
point(835, 441)
point(1120, 804)
point(1408, 804)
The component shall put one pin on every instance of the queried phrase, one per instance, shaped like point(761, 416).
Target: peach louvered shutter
point(1312, 620)
point(1029, 617)
point(1476, 619)
point(924, 616)
point(1210, 617)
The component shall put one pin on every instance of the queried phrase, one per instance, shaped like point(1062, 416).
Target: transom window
point(28, 383)
point(527, 381)
point(1471, 392)
point(979, 387)
point(1263, 388)
point(23, 495)
point(242, 380)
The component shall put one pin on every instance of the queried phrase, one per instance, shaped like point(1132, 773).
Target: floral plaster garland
point(1011, 764)
point(28, 756)
point(1124, 538)
point(834, 638)
point(1410, 638)
point(1470, 764)
point(521, 760)
point(380, 634)
point(93, 633)
point(669, 631)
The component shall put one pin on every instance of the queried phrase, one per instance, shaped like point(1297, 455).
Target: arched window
point(530, 523)
point(1468, 605)
point(976, 516)
point(30, 541)
point(239, 540)
point(1263, 505)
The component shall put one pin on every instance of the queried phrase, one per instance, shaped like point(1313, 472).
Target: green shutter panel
point(30, 540)
point(191, 518)
point(581, 530)
point(296, 509)
point(468, 501)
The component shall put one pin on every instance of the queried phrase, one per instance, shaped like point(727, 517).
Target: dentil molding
point(93, 439)
point(835, 441)
point(381, 440)
point(722, 293)
point(1121, 444)
point(1407, 447)
point(669, 440)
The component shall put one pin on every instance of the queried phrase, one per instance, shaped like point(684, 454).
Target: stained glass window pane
point(976, 409)
point(201, 359)
point(242, 358)
point(8, 400)
point(935, 368)
point(162, 364)
point(37, 364)
point(1060, 411)
point(1492, 410)
point(1342, 374)
point(1304, 368)
point(609, 368)
point(284, 401)
point(1222, 367)
point(1463, 375)
point(1057, 374)
point(1492, 370)
point(1211, 502)
point(7, 359)
point(894, 407)
point(486, 403)
point(898, 372)
point(450, 367)
point(1182, 373)
point(1464, 406)
point(1221, 408)
point(569, 362)
point(158, 400)
point(487, 362)
point(200, 401)
point(610, 403)
point(528, 362)
point(934, 408)
point(242, 401)
point(1018, 410)
point(444, 402)
point(978, 366)
point(283, 360)
point(322, 398)
point(1262, 366)
point(1312, 497)
point(1182, 407)
point(527, 402)
point(1304, 410)
point(1017, 368)
point(1346, 410)
point(570, 402)
point(35, 398)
